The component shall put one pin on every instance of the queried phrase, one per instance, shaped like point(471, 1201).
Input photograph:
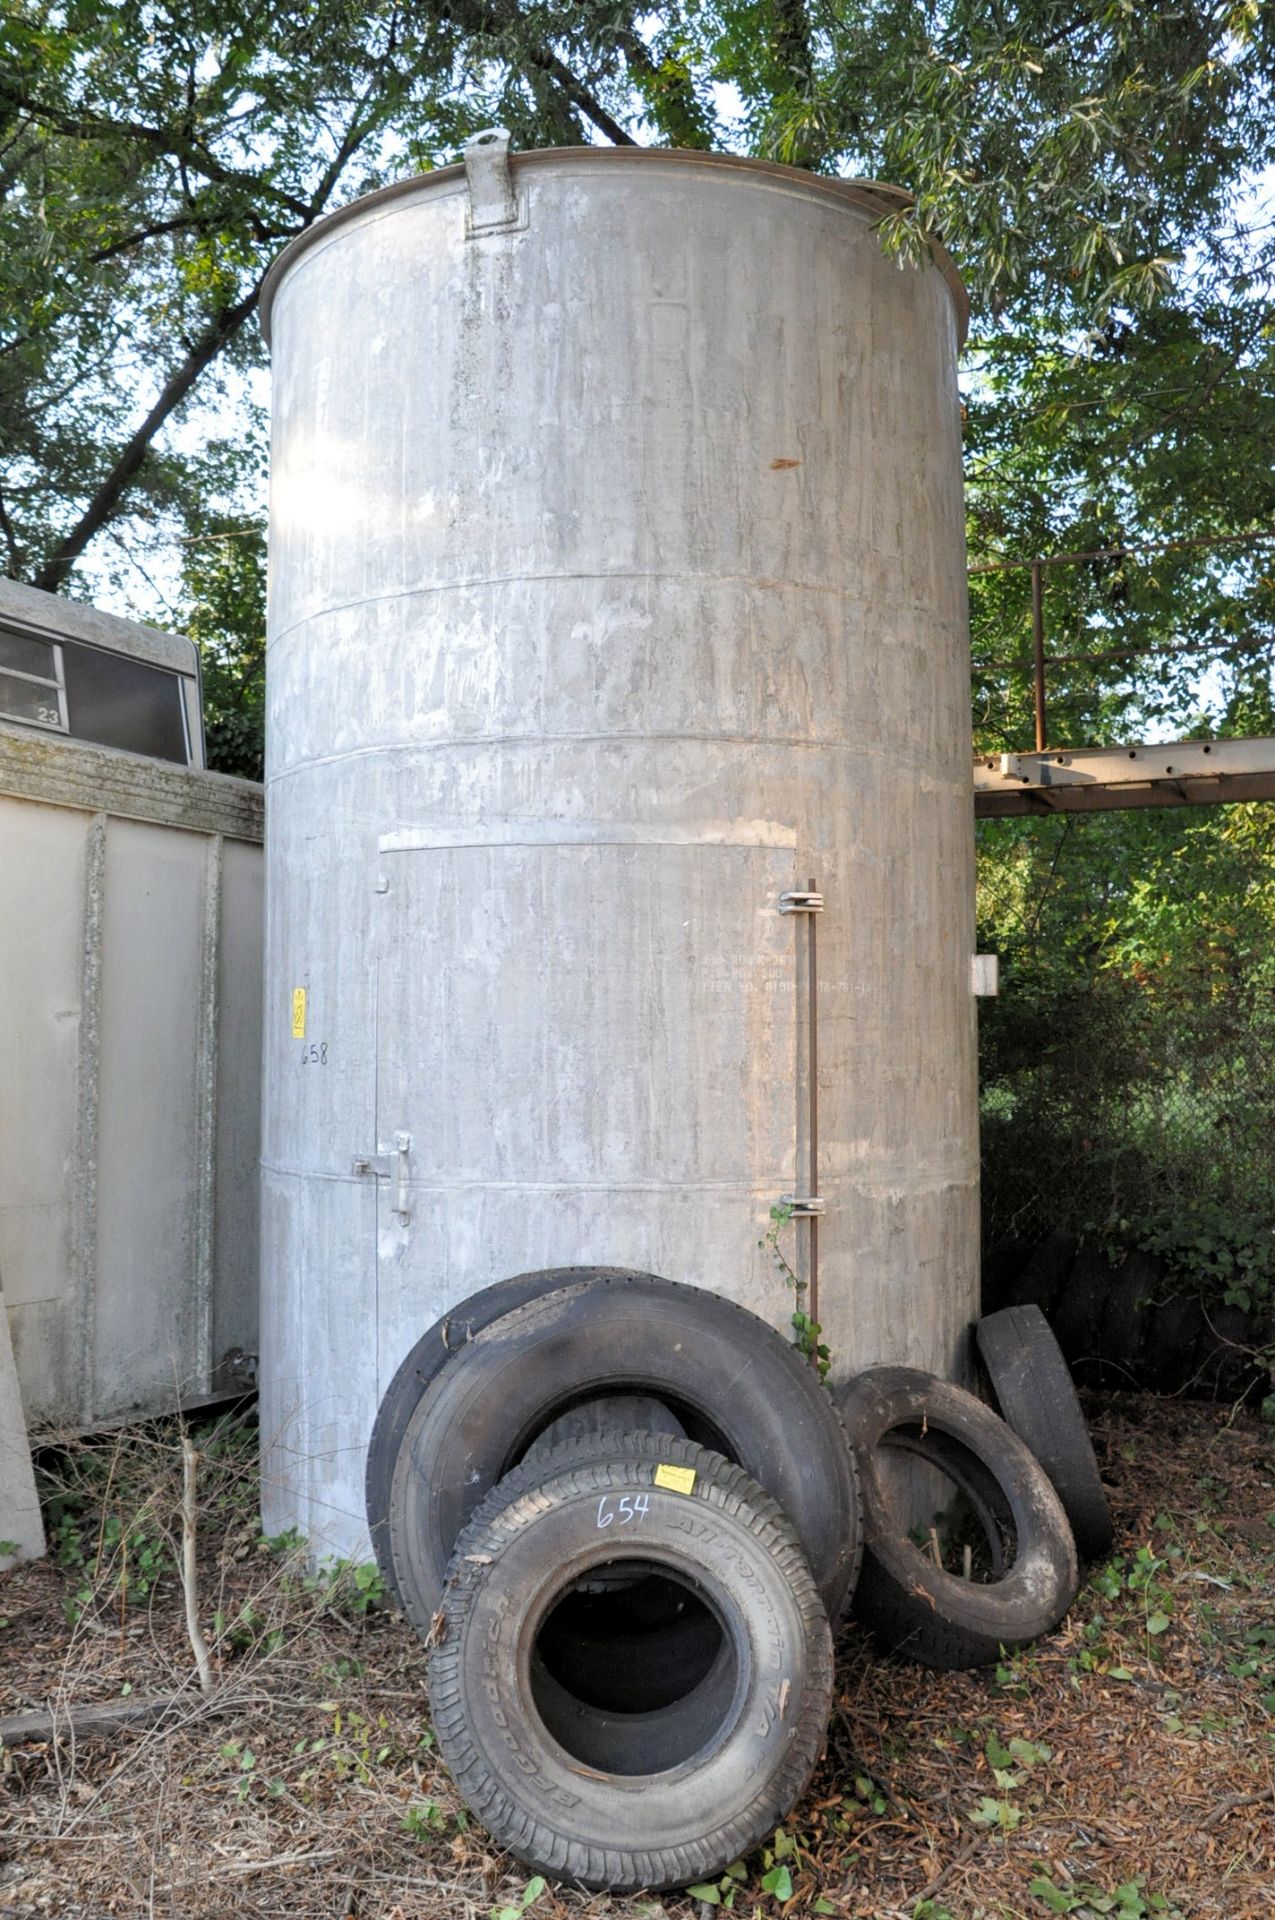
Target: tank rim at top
point(871, 195)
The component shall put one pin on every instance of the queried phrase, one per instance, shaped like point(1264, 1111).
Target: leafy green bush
point(1128, 1067)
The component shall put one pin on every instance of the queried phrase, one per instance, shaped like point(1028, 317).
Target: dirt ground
point(1125, 1766)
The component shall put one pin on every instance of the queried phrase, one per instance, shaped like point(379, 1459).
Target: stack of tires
point(626, 1515)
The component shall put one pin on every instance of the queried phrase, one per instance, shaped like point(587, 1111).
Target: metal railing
point(1040, 661)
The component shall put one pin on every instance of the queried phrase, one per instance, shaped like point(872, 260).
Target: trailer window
point(32, 684)
point(90, 693)
point(116, 701)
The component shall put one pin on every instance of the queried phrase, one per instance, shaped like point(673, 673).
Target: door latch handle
point(402, 1154)
point(398, 1163)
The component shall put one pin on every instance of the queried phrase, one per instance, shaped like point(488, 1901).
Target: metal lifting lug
point(493, 204)
point(803, 1206)
point(801, 902)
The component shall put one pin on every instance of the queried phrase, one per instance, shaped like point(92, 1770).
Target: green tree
point(153, 161)
point(1127, 1086)
point(1088, 163)
point(1147, 443)
point(224, 602)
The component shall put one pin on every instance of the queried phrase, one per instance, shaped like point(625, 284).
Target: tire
point(729, 1378)
point(421, 1365)
point(651, 1673)
point(611, 1413)
point(648, 1808)
point(914, 1607)
point(1032, 1387)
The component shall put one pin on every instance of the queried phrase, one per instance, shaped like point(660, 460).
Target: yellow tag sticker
point(676, 1479)
point(298, 1013)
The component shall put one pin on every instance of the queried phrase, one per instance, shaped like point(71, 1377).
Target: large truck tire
point(729, 1379)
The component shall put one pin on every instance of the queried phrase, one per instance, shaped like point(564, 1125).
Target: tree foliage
point(1128, 1070)
point(1149, 445)
point(223, 595)
point(154, 158)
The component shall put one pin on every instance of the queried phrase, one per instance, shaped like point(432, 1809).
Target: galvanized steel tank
point(617, 590)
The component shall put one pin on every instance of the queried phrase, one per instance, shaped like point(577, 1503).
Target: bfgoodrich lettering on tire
point(1025, 1576)
point(650, 1800)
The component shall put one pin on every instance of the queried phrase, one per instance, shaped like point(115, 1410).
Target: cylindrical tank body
point(617, 590)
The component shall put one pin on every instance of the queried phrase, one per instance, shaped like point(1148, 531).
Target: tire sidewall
point(423, 1363)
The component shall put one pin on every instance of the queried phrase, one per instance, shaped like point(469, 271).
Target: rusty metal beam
point(1103, 779)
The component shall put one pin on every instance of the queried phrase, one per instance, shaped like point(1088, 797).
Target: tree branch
point(11, 169)
point(87, 126)
point(180, 225)
point(579, 96)
point(669, 94)
point(216, 336)
point(355, 135)
point(11, 541)
point(792, 40)
point(483, 20)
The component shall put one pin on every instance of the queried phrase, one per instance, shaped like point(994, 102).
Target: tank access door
point(586, 1053)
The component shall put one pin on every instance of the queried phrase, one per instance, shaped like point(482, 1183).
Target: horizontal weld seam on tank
point(598, 576)
point(758, 1190)
point(748, 837)
point(920, 765)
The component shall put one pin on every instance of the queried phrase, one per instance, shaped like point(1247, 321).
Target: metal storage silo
point(617, 592)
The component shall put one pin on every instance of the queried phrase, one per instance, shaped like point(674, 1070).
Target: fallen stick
point(1231, 1803)
point(953, 1866)
point(80, 1722)
point(189, 1565)
point(279, 1861)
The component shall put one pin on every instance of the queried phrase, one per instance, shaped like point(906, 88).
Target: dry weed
point(1125, 1766)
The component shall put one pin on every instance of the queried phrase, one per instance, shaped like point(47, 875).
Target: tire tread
point(1034, 1392)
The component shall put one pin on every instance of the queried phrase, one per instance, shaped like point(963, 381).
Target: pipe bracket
point(803, 1206)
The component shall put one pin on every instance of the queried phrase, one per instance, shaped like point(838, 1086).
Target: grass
point(1125, 1766)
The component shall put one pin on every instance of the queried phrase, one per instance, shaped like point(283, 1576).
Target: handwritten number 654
point(629, 1507)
